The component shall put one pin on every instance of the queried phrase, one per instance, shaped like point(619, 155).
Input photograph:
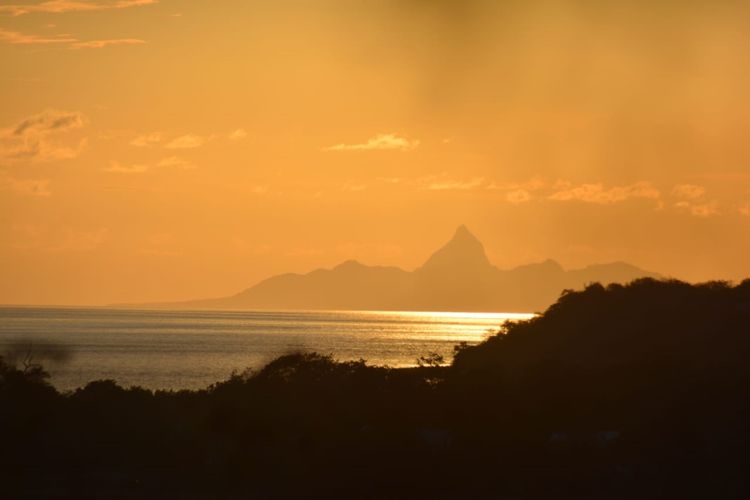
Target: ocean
point(193, 349)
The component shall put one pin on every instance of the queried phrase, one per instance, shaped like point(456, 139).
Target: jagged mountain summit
point(457, 277)
point(463, 254)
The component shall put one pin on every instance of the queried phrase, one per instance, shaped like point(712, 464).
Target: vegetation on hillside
point(614, 392)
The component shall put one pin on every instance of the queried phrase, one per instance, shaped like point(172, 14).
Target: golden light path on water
point(162, 349)
point(449, 326)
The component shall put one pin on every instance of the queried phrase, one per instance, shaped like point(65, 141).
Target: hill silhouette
point(636, 391)
point(457, 277)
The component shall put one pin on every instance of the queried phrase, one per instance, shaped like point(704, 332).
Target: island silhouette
point(457, 277)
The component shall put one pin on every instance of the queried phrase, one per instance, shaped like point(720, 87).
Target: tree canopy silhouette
point(622, 391)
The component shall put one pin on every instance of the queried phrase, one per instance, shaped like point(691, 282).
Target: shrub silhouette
point(622, 391)
point(431, 359)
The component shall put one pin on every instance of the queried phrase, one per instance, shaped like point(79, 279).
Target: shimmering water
point(192, 349)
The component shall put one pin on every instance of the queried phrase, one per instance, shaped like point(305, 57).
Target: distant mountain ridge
point(457, 277)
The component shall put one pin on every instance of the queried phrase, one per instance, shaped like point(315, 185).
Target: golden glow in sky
point(167, 150)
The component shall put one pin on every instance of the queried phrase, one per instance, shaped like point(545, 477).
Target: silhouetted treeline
point(637, 391)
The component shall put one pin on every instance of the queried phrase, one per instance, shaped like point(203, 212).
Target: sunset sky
point(183, 149)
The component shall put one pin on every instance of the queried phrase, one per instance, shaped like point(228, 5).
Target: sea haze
point(160, 349)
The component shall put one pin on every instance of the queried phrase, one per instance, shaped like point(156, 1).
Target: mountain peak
point(464, 237)
point(349, 264)
point(457, 277)
point(464, 252)
point(462, 230)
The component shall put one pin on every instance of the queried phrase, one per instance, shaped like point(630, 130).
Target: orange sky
point(174, 150)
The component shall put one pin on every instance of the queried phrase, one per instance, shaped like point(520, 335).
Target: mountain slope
point(457, 277)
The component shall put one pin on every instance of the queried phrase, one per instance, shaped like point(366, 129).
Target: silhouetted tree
point(623, 391)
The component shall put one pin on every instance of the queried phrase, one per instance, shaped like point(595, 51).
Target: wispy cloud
point(453, 185)
point(692, 201)
point(147, 139)
point(98, 44)
point(188, 141)
point(518, 196)
point(688, 191)
point(36, 137)
point(17, 38)
point(237, 135)
point(686, 199)
point(116, 167)
point(174, 161)
point(703, 210)
point(514, 192)
point(69, 41)
point(379, 142)
point(140, 168)
point(531, 185)
point(535, 189)
point(353, 187)
point(62, 6)
point(597, 193)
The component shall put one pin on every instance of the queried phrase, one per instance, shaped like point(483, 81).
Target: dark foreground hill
point(637, 391)
point(457, 277)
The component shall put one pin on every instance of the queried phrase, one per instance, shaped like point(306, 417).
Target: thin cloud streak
point(63, 6)
point(116, 167)
point(597, 193)
point(174, 161)
point(18, 38)
point(147, 139)
point(692, 201)
point(188, 141)
point(518, 196)
point(474, 183)
point(688, 191)
point(705, 209)
point(380, 142)
point(238, 135)
point(141, 168)
point(98, 44)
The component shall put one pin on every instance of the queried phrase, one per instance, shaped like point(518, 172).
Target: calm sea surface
point(192, 349)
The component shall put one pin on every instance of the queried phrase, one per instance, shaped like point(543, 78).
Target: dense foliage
point(617, 392)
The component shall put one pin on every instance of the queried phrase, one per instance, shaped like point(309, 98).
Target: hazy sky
point(181, 149)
